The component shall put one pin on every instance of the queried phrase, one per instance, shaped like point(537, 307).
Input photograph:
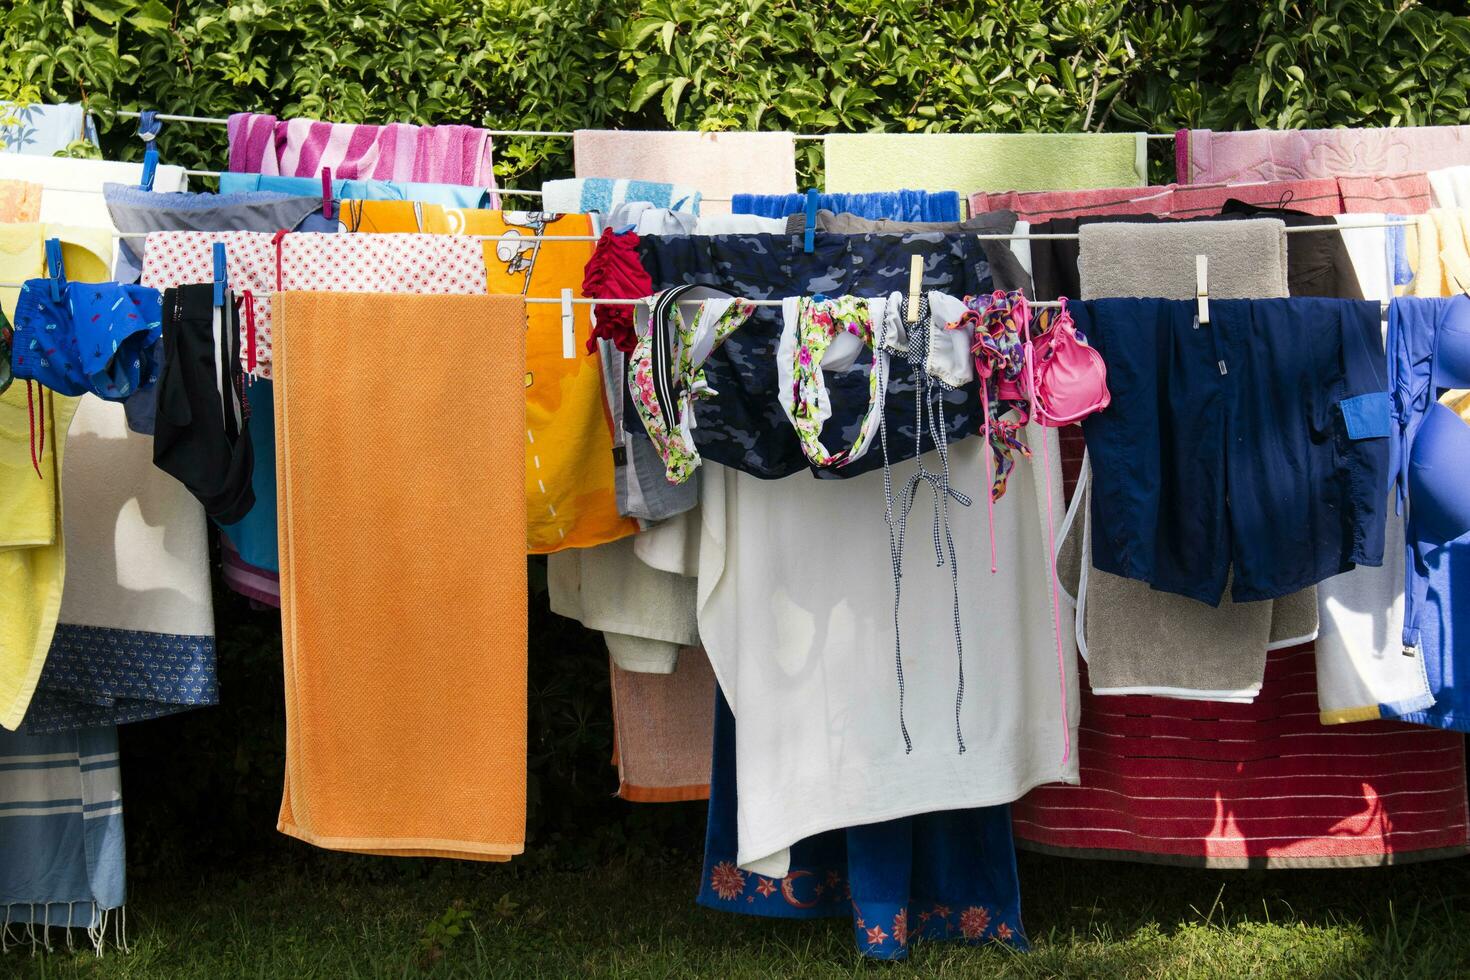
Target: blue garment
point(600, 195)
point(97, 337)
point(61, 828)
point(892, 205)
point(44, 130)
point(948, 875)
point(1240, 445)
point(1429, 350)
point(105, 676)
point(254, 535)
point(446, 195)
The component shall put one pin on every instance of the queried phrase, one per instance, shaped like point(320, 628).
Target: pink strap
point(247, 302)
point(278, 240)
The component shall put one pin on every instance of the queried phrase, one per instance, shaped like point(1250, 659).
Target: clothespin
point(221, 275)
point(148, 127)
point(916, 279)
point(810, 243)
point(568, 326)
point(1202, 287)
point(327, 193)
point(55, 269)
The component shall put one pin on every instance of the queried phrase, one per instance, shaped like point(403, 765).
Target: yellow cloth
point(20, 200)
point(403, 579)
point(571, 500)
point(1438, 253)
point(1458, 401)
point(32, 549)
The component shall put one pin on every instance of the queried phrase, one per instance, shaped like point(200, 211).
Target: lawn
point(349, 917)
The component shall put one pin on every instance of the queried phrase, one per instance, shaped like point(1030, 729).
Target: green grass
point(338, 918)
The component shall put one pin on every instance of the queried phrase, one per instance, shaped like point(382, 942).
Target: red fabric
point(1233, 784)
point(615, 272)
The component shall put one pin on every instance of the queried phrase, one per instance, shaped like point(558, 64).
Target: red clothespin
point(327, 193)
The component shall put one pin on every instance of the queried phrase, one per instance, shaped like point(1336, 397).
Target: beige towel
point(719, 165)
point(663, 730)
point(1247, 258)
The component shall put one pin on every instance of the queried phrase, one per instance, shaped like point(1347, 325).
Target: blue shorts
point(1256, 444)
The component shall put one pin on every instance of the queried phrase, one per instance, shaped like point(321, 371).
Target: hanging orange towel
point(20, 201)
point(403, 578)
point(570, 497)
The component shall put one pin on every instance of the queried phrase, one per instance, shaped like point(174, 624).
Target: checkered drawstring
point(917, 354)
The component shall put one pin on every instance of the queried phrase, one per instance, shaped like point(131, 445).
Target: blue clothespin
point(55, 269)
point(148, 127)
point(810, 243)
point(221, 277)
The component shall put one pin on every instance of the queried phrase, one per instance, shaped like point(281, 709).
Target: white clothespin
point(568, 326)
point(1202, 286)
point(916, 279)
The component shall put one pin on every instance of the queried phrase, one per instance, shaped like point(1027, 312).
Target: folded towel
point(984, 162)
point(260, 144)
point(721, 165)
point(892, 205)
point(1247, 258)
point(663, 730)
point(1202, 155)
point(44, 130)
point(135, 636)
point(405, 720)
point(1450, 187)
point(586, 195)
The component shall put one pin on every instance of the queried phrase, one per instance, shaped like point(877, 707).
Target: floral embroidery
point(1004, 932)
point(876, 935)
point(727, 880)
point(901, 927)
point(818, 322)
point(766, 886)
point(973, 921)
point(674, 439)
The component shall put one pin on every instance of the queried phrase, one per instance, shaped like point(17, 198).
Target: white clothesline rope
point(1016, 236)
point(554, 133)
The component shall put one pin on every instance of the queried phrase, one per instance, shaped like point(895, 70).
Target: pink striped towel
point(261, 144)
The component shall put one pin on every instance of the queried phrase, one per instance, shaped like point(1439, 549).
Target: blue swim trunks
point(1256, 443)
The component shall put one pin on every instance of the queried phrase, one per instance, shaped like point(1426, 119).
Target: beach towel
point(44, 130)
point(405, 719)
point(720, 165)
point(135, 635)
point(62, 852)
point(585, 195)
point(1206, 156)
point(262, 144)
point(984, 162)
point(33, 427)
point(71, 189)
point(308, 261)
point(571, 501)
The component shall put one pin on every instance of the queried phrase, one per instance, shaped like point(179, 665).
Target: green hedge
point(204, 786)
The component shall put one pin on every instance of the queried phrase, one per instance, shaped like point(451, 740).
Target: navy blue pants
point(1256, 442)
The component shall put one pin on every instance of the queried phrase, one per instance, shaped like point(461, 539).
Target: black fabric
point(197, 438)
point(742, 425)
point(1317, 264)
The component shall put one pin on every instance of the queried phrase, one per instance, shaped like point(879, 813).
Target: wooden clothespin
point(1202, 287)
point(568, 326)
point(916, 279)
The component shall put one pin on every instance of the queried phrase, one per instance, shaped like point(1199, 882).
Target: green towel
point(861, 162)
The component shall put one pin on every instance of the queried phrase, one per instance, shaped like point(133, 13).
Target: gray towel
point(1247, 258)
point(1190, 650)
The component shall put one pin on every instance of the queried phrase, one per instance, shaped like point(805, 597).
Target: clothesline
point(555, 133)
point(1015, 236)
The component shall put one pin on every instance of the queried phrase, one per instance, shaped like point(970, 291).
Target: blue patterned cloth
point(599, 195)
point(949, 875)
point(890, 205)
point(97, 337)
point(99, 676)
point(44, 130)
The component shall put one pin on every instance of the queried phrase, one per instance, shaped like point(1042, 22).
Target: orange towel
point(570, 497)
point(403, 577)
point(20, 201)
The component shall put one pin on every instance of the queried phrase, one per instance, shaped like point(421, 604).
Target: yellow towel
point(32, 549)
point(403, 575)
point(570, 495)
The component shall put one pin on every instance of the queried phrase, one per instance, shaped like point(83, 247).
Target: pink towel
point(1402, 194)
point(718, 165)
point(261, 144)
point(1203, 155)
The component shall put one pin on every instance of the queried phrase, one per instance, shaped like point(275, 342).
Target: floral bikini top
point(666, 368)
point(828, 333)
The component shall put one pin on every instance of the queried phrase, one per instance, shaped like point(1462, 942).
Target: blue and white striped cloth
point(61, 833)
point(588, 195)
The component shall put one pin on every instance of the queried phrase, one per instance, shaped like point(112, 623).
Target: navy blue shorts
point(1256, 443)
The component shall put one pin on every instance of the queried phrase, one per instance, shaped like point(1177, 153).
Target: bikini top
point(666, 368)
point(822, 334)
point(88, 337)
